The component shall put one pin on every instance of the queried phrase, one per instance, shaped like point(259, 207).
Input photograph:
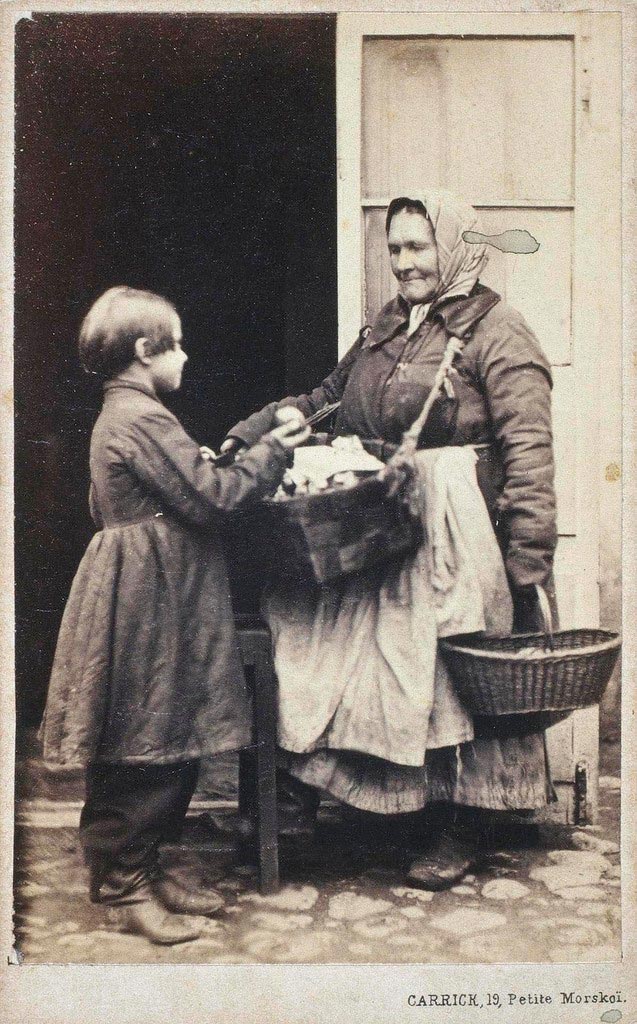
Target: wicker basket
point(344, 530)
point(572, 670)
point(333, 533)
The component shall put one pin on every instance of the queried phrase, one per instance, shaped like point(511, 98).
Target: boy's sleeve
point(168, 461)
point(93, 507)
point(331, 390)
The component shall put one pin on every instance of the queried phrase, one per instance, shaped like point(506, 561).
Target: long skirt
point(495, 774)
point(367, 710)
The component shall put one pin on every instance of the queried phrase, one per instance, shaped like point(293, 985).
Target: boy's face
point(167, 367)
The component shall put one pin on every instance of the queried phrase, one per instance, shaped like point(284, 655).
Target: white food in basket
point(322, 467)
point(320, 462)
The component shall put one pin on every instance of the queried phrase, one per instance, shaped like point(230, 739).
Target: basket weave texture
point(491, 679)
point(335, 532)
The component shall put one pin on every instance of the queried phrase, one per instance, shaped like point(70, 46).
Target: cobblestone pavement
point(548, 894)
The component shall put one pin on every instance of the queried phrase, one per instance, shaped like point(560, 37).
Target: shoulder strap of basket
point(441, 382)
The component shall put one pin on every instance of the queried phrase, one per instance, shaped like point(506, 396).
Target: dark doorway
point(194, 155)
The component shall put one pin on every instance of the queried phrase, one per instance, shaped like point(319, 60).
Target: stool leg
point(265, 721)
point(247, 773)
point(247, 758)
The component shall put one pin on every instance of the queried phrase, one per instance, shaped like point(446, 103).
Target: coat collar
point(133, 385)
point(458, 316)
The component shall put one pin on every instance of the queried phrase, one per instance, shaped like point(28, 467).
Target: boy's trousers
point(129, 811)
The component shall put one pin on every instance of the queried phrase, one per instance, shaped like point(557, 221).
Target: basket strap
point(547, 616)
point(410, 438)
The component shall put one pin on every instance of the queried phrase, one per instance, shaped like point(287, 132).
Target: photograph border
point(374, 994)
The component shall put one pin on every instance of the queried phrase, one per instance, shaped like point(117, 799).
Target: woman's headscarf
point(460, 263)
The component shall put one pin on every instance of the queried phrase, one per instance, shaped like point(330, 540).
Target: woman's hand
point(293, 430)
point(398, 474)
point(207, 453)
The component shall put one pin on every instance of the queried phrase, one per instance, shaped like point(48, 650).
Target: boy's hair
point(114, 323)
point(403, 203)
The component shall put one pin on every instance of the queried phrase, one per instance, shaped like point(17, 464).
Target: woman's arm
point(517, 381)
point(247, 431)
point(168, 461)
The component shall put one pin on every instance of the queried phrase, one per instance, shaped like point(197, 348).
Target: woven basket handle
point(547, 616)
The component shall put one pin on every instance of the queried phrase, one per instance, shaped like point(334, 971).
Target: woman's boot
point(456, 850)
point(297, 805)
point(453, 856)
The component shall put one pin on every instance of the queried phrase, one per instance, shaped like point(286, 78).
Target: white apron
point(357, 661)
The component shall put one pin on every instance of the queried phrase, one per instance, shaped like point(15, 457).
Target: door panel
point(492, 119)
point(539, 283)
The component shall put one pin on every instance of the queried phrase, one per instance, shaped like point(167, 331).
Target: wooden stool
point(257, 763)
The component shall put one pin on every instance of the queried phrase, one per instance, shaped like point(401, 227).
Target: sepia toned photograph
point(317, 342)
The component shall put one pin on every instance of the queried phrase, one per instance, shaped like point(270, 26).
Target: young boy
point(147, 677)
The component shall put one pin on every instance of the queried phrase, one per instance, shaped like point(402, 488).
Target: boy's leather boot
point(150, 919)
point(178, 899)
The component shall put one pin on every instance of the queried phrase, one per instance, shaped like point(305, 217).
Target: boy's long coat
point(147, 668)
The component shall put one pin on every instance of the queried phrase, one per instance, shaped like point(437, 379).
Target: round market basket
point(550, 671)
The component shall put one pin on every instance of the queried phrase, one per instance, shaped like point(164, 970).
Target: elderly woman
point(501, 407)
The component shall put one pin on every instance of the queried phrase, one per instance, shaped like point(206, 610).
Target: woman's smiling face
point(413, 256)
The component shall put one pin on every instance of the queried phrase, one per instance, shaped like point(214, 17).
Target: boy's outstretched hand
point(293, 429)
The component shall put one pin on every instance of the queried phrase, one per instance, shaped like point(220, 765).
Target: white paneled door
point(520, 115)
